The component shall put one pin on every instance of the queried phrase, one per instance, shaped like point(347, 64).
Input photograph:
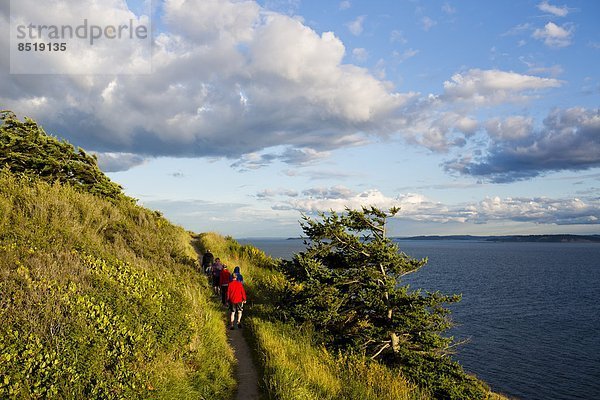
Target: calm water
point(530, 310)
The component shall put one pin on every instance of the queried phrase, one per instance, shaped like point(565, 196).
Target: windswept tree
point(25, 148)
point(347, 284)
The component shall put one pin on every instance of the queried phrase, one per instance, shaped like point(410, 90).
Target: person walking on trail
point(240, 278)
point(224, 282)
point(236, 296)
point(207, 260)
point(216, 269)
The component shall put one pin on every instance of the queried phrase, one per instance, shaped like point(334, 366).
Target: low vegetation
point(99, 298)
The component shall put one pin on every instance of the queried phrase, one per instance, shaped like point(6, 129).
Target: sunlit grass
point(102, 299)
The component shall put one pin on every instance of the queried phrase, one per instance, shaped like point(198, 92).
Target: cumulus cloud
point(568, 140)
point(230, 79)
point(234, 80)
point(554, 10)
point(118, 52)
point(489, 87)
point(554, 36)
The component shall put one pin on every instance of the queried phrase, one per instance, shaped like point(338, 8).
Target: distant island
point(513, 238)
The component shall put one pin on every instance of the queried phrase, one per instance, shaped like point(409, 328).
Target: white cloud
point(416, 207)
point(493, 86)
point(235, 80)
point(124, 53)
point(554, 10)
point(554, 35)
point(230, 79)
point(539, 210)
point(207, 20)
point(356, 27)
point(338, 198)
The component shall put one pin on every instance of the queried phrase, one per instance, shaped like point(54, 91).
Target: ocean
point(530, 311)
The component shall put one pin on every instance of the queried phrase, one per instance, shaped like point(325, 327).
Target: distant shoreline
point(564, 238)
point(554, 238)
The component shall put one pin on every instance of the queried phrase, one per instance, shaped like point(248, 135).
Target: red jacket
point(224, 277)
point(235, 292)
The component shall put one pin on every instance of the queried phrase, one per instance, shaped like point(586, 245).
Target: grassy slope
point(100, 299)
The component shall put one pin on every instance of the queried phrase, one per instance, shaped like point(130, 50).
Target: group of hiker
point(228, 285)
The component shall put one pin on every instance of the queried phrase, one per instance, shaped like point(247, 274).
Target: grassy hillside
point(99, 298)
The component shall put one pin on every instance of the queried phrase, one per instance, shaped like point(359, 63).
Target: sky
point(474, 117)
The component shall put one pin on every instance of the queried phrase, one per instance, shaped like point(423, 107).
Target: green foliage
point(347, 284)
point(100, 299)
point(25, 148)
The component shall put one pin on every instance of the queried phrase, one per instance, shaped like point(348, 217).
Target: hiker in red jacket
point(224, 281)
point(236, 295)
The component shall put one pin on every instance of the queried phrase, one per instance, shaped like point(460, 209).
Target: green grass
point(297, 369)
point(102, 299)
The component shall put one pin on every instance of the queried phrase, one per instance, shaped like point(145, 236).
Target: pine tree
point(347, 284)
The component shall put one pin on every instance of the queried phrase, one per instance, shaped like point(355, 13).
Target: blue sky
point(474, 117)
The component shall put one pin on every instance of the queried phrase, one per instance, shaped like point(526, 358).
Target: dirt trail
point(247, 376)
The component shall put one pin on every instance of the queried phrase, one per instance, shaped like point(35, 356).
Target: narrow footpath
point(246, 373)
point(247, 376)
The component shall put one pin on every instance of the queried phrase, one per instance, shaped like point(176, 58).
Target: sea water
point(530, 311)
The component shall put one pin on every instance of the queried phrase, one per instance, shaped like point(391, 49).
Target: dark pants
point(224, 294)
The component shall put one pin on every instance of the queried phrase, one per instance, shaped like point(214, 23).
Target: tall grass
point(297, 369)
point(101, 299)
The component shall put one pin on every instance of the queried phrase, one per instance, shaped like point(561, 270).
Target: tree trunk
point(395, 342)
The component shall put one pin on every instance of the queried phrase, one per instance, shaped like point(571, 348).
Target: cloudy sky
point(473, 117)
